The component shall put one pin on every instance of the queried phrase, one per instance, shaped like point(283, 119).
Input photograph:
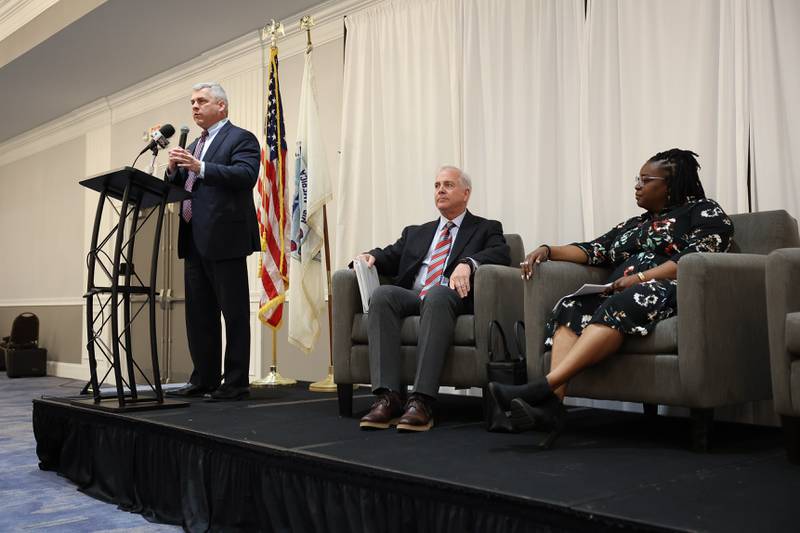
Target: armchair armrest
point(723, 349)
point(498, 296)
point(783, 298)
point(550, 282)
point(346, 303)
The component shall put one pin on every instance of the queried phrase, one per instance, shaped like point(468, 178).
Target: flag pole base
point(273, 379)
point(324, 385)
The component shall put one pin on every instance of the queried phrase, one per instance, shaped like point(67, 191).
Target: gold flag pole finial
point(306, 23)
point(272, 31)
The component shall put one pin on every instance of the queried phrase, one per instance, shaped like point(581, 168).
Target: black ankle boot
point(532, 392)
point(548, 415)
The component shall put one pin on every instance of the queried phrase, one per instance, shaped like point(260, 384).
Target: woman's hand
point(624, 282)
point(537, 256)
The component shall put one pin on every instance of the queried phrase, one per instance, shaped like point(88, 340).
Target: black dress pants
point(214, 287)
point(387, 309)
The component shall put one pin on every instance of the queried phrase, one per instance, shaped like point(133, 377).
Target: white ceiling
point(117, 44)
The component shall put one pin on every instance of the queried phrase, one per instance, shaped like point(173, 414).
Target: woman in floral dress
point(644, 253)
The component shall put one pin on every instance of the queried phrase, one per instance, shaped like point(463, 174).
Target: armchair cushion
point(409, 332)
point(793, 334)
point(663, 339)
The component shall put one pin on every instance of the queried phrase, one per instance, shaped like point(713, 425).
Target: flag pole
point(273, 377)
point(327, 384)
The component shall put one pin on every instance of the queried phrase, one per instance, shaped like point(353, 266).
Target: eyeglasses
point(641, 181)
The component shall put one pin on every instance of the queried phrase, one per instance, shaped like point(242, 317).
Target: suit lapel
point(418, 245)
point(219, 138)
point(468, 226)
point(427, 234)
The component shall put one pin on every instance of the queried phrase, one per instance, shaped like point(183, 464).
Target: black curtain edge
point(206, 482)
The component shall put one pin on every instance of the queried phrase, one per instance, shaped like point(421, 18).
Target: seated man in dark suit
point(432, 266)
point(218, 230)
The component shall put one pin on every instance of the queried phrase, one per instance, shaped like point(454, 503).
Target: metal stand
point(152, 168)
point(273, 378)
point(138, 193)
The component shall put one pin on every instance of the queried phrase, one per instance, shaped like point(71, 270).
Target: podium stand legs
point(118, 294)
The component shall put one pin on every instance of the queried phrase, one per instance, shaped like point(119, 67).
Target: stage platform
point(285, 461)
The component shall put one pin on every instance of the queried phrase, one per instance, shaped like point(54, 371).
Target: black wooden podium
point(142, 196)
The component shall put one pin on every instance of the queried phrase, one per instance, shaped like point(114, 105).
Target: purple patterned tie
point(192, 177)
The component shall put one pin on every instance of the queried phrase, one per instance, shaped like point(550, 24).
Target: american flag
point(272, 219)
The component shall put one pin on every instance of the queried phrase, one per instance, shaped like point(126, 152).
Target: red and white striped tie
point(438, 259)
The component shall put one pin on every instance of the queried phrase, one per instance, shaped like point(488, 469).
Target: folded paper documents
point(588, 288)
point(367, 281)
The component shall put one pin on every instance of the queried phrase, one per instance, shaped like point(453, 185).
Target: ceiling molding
point(229, 59)
point(65, 301)
point(41, 19)
point(14, 14)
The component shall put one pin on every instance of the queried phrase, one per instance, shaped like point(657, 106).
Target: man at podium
point(218, 230)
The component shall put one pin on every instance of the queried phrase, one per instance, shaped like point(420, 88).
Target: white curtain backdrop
point(553, 111)
point(401, 118)
point(470, 83)
point(521, 138)
point(662, 75)
point(775, 90)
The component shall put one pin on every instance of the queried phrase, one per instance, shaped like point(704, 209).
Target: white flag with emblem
point(307, 280)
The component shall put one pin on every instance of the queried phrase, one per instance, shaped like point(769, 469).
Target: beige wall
point(41, 224)
point(59, 330)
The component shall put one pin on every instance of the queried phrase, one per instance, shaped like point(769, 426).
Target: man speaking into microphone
point(218, 230)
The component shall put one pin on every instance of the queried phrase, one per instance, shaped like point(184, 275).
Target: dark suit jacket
point(478, 238)
point(224, 223)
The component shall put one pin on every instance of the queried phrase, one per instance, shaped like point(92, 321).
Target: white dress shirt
point(212, 132)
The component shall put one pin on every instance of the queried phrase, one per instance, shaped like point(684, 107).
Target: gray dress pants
point(387, 309)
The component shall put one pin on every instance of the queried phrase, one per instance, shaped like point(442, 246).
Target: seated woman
point(645, 252)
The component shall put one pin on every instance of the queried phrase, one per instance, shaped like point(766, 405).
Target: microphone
point(184, 134)
point(159, 138)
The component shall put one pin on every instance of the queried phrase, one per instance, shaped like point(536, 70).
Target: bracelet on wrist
point(549, 250)
point(641, 276)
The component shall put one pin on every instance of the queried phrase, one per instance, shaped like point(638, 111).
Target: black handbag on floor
point(503, 368)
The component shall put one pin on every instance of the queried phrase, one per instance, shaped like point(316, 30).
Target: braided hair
point(683, 180)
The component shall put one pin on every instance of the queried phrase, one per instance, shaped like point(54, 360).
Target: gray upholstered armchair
point(783, 311)
point(498, 296)
point(714, 353)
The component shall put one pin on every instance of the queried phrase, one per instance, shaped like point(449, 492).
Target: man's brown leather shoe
point(384, 412)
point(418, 415)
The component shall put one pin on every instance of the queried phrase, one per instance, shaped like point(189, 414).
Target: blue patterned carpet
point(33, 500)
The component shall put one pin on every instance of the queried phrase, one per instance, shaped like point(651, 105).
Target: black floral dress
point(641, 243)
